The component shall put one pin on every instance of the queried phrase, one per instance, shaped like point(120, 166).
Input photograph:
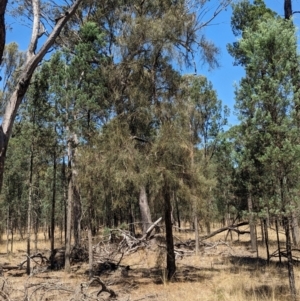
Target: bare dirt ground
point(222, 271)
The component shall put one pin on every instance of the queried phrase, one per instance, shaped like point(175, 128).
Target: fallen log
point(228, 228)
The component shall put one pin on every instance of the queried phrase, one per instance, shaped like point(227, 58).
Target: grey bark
point(197, 235)
point(295, 231)
point(144, 209)
point(69, 212)
point(252, 225)
point(290, 259)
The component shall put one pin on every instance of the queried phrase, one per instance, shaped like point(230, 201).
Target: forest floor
point(222, 271)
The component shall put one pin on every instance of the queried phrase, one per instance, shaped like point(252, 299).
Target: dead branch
point(228, 228)
point(4, 296)
point(150, 229)
point(103, 287)
point(38, 255)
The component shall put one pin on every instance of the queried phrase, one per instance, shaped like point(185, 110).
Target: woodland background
point(101, 129)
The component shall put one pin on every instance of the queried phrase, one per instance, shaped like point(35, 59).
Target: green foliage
point(266, 100)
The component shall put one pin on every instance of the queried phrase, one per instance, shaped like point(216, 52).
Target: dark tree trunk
point(53, 211)
point(288, 12)
point(171, 265)
point(278, 241)
point(266, 240)
point(290, 258)
point(3, 4)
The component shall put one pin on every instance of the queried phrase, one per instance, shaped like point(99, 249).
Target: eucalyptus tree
point(34, 56)
point(267, 101)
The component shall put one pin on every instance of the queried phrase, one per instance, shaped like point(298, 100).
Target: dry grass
point(225, 272)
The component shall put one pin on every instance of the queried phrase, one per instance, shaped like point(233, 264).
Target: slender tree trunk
point(53, 210)
point(29, 211)
point(69, 211)
point(144, 209)
point(77, 214)
point(177, 212)
point(131, 220)
point(262, 230)
point(266, 239)
point(196, 235)
point(7, 230)
point(295, 230)
point(278, 241)
point(252, 224)
point(90, 237)
point(3, 4)
point(171, 264)
point(290, 258)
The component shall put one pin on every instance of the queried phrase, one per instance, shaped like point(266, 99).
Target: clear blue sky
point(219, 32)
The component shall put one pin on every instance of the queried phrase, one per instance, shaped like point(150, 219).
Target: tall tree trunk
point(69, 210)
point(171, 264)
point(262, 230)
point(197, 235)
point(177, 212)
point(3, 4)
point(7, 230)
point(131, 219)
point(90, 237)
point(252, 224)
point(77, 213)
point(290, 258)
point(53, 210)
point(266, 239)
point(33, 59)
point(288, 12)
point(29, 210)
point(144, 209)
point(278, 241)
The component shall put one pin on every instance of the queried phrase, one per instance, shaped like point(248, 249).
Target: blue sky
point(219, 31)
point(223, 78)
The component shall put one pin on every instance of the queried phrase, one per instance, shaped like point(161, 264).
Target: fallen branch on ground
point(228, 228)
point(103, 287)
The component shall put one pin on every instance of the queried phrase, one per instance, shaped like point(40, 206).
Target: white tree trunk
point(144, 209)
point(33, 59)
